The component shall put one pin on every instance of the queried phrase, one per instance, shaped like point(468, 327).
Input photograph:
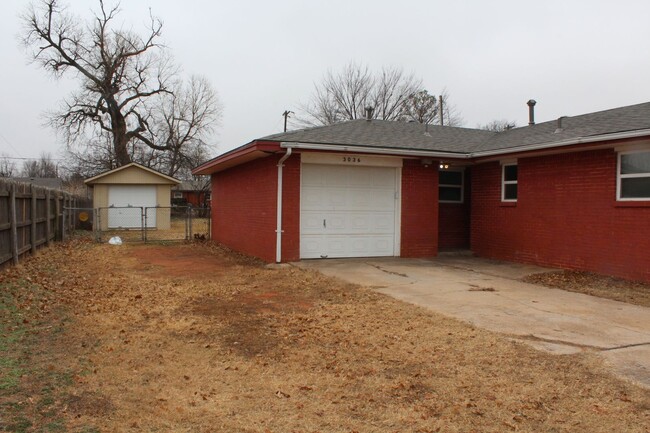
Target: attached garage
point(120, 195)
point(349, 207)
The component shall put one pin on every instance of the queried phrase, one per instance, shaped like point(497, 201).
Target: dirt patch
point(242, 348)
point(89, 404)
point(197, 263)
point(617, 289)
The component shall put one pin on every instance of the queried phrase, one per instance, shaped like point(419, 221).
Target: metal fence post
point(143, 224)
point(189, 212)
point(98, 226)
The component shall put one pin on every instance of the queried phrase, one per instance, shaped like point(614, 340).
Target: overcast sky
point(263, 57)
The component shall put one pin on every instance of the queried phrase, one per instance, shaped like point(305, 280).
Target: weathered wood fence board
point(31, 216)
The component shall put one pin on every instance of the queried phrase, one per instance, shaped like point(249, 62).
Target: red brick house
point(571, 193)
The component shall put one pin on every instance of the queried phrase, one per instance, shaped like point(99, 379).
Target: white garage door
point(122, 197)
point(347, 211)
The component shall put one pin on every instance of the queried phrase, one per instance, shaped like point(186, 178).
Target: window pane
point(449, 193)
point(510, 192)
point(635, 187)
point(510, 172)
point(450, 178)
point(635, 163)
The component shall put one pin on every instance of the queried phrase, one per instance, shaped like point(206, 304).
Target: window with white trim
point(633, 177)
point(450, 186)
point(509, 182)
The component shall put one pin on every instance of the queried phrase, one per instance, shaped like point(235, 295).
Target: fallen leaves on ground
point(617, 289)
point(195, 338)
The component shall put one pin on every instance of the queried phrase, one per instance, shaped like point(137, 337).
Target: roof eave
point(91, 180)
point(253, 150)
point(375, 150)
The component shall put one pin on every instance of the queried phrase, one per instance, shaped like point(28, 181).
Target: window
point(450, 186)
point(633, 180)
point(178, 194)
point(509, 182)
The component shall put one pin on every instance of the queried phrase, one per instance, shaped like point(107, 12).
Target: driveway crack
point(399, 274)
point(626, 346)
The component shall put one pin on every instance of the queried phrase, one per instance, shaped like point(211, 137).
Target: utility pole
point(286, 116)
point(442, 112)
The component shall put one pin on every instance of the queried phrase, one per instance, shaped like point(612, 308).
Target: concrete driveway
point(488, 294)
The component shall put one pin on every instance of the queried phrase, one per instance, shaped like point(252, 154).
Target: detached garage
point(120, 194)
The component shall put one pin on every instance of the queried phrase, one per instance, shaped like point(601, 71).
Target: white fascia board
point(380, 150)
point(562, 143)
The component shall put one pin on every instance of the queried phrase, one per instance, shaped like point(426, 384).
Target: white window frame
point(177, 194)
point(505, 182)
point(461, 186)
point(620, 176)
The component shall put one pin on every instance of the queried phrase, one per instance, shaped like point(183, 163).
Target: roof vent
point(531, 111)
point(559, 124)
point(369, 111)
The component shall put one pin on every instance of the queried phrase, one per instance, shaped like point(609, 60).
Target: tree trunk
point(120, 141)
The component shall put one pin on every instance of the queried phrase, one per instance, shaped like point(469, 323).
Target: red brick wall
point(419, 236)
point(454, 221)
point(566, 216)
point(243, 207)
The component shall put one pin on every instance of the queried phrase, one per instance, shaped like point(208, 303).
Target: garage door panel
point(338, 246)
point(347, 211)
point(314, 222)
point(120, 197)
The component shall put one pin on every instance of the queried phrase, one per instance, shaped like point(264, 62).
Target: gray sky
point(572, 56)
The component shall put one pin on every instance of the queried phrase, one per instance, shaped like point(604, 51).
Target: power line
point(30, 159)
point(10, 145)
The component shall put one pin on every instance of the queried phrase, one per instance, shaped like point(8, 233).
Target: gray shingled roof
point(389, 134)
point(630, 118)
point(45, 182)
point(415, 136)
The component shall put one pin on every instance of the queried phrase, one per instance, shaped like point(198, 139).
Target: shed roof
point(113, 176)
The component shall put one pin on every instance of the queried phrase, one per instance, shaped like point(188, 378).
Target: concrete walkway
point(488, 294)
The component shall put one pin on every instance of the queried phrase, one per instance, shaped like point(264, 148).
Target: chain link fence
point(144, 224)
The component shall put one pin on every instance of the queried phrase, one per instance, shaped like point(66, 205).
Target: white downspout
point(278, 230)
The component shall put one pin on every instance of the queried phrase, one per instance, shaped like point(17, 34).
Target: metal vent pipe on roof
point(531, 111)
point(369, 111)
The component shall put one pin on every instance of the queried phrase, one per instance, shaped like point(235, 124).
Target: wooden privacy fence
point(30, 217)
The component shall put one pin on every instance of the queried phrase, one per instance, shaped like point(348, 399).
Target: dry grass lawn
point(191, 338)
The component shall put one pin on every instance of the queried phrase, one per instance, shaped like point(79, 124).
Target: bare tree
point(125, 80)
point(42, 167)
point(345, 95)
point(183, 122)
point(420, 107)
point(7, 166)
point(498, 125)
point(393, 94)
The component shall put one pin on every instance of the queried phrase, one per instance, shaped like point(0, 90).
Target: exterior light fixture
point(443, 166)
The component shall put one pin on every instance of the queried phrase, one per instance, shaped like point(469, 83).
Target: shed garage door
point(127, 202)
point(347, 211)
